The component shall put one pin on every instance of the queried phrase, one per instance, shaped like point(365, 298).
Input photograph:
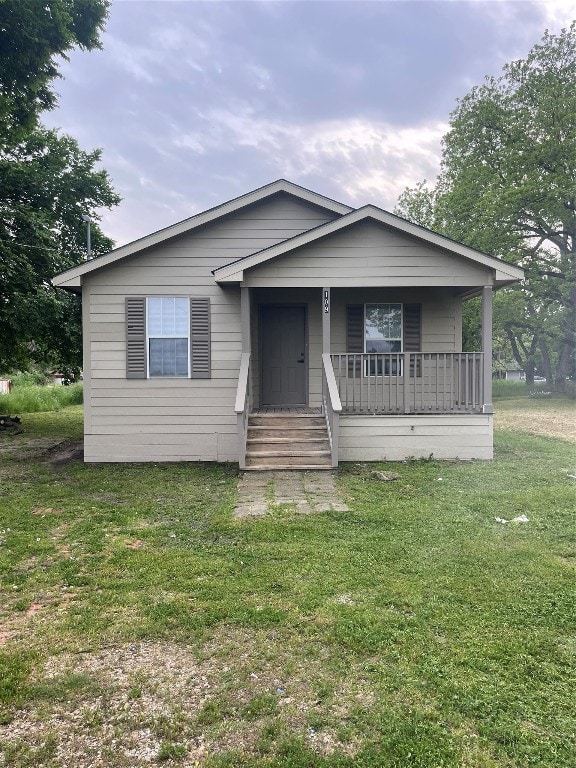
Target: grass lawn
point(141, 624)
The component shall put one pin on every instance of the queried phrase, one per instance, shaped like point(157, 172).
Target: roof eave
point(200, 219)
point(227, 272)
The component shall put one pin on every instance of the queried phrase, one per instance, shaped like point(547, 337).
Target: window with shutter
point(382, 328)
point(383, 334)
point(167, 336)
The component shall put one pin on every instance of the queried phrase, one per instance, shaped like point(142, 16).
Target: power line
point(23, 245)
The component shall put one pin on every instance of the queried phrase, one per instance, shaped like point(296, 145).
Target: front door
point(283, 355)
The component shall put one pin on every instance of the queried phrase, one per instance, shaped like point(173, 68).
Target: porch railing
point(331, 405)
point(410, 382)
point(242, 407)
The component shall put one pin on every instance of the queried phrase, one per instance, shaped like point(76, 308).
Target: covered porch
point(379, 350)
point(367, 399)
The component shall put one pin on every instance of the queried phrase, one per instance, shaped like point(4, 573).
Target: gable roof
point(233, 272)
point(71, 278)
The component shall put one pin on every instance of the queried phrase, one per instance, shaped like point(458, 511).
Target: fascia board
point(237, 277)
point(63, 281)
point(193, 222)
point(505, 276)
point(226, 272)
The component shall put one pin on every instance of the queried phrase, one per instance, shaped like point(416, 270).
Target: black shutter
point(413, 334)
point(200, 363)
point(135, 337)
point(354, 335)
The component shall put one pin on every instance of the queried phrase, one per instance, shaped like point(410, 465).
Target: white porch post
point(246, 326)
point(326, 321)
point(244, 394)
point(487, 347)
point(245, 318)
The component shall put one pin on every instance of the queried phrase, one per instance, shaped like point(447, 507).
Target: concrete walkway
point(260, 492)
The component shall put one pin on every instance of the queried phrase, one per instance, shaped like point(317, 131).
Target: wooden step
point(265, 452)
point(266, 433)
point(293, 462)
point(280, 444)
point(293, 467)
point(278, 421)
point(287, 441)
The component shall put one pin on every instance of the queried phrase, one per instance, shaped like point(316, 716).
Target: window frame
point(187, 336)
point(366, 368)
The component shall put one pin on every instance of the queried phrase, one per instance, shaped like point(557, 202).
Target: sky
point(194, 103)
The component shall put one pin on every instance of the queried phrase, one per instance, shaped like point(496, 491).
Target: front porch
point(373, 406)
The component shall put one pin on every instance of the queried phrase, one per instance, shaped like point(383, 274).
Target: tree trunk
point(563, 367)
point(546, 363)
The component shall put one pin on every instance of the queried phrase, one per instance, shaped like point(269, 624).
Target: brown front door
point(283, 355)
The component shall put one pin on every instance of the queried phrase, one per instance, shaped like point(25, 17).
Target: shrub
point(32, 399)
point(28, 378)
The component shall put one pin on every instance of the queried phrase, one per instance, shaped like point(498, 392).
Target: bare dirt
point(538, 418)
point(135, 699)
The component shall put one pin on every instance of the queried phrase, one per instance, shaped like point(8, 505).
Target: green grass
point(504, 389)
point(414, 630)
point(35, 399)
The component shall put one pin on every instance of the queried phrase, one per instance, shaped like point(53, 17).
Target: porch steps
point(287, 441)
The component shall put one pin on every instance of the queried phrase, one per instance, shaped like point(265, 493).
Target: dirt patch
point(18, 625)
point(21, 448)
point(134, 700)
point(64, 455)
point(537, 419)
point(42, 511)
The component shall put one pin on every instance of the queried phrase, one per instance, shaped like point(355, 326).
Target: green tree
point(46, 183)
point(508, 186)
point(33, 33)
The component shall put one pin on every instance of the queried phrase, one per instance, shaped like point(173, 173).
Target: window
point(168, 336)
point(383, 334)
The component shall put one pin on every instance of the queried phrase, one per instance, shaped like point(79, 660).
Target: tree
point(46, 183)
point(508, 186)
point(32, 35)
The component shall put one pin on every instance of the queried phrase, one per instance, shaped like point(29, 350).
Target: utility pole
point(87, 219)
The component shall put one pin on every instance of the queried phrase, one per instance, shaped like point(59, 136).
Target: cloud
point(556, 14)
point(357, 161)
point(195, 103)
point(368, 161)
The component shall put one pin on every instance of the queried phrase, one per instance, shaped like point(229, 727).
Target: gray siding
point(395, 438)
point(368, 254)
point(441, 321)
point(175, 419)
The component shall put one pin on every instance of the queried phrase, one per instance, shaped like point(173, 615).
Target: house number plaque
point(326, 302)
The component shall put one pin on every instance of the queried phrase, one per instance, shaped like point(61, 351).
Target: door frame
point(285, 305)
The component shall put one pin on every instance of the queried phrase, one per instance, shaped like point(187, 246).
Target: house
point(283, 328)
point(507, 371)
